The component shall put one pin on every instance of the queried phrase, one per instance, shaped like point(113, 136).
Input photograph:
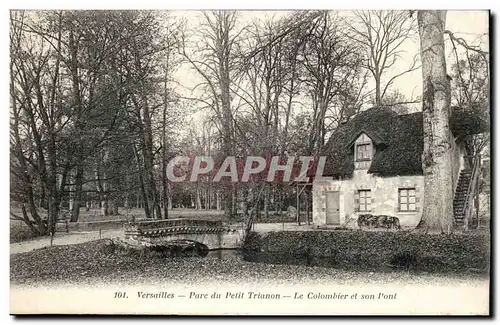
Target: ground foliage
point(99, 262)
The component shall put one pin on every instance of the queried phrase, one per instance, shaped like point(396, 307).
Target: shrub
point(406, 260)
point(373, 250)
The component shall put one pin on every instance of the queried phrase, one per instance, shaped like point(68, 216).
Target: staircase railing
point(468, 206)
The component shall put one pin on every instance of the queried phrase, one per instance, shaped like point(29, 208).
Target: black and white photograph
point(249, 162)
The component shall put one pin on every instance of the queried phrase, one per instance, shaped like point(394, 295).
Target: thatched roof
point(398, 140)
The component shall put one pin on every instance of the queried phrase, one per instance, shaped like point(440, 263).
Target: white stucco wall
point(384, 193)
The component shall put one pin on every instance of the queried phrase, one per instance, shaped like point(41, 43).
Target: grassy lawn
point(95, 263)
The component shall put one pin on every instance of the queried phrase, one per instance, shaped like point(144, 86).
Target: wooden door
point(332, 208)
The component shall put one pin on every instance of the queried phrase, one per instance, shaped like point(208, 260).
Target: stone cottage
point(376, 166)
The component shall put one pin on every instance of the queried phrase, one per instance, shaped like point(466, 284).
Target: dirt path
point(78, 237)
point(63, 239)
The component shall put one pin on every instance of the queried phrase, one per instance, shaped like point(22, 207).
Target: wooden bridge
point(213, 234)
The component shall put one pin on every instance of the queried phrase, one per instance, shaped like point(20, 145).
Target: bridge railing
point(140, 227)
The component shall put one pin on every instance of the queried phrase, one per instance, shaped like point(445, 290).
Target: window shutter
point(356, 201)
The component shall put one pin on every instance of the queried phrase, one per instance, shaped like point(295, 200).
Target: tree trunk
point(71, 201)
point(266, 203)
point(169, 198)
point(77, 197)
point(307, 207)
point(198, 198)
point(75, 211)
point(164, 145)
point(104, 206)
point(436, 158)
point(234, 201)
point(206, 194)
point(142, 185)
point(113, 206)
point(378, 99)
point(219, 207)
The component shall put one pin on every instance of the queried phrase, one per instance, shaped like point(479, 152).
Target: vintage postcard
point(245, 162)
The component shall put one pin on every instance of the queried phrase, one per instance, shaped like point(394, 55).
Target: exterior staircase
point(460, 198)
point(465, 192)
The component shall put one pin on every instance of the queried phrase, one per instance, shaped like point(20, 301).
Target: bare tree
point(381, 34)
point(39, 123)
point(23, 191)
point(437, 216)
point(216, 64)
point(331, 63)
point(470, 86)
point(266, 76)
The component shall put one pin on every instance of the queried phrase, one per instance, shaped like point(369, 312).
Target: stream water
point(272, 258)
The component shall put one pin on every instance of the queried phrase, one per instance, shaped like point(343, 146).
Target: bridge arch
point(211, 234)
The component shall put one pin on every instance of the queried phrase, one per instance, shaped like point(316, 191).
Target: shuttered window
point(363, 152)
point(407, 199)
point(365, 201)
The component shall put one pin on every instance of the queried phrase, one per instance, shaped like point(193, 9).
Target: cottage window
point(365, 201)
point(407, 199)
point(363, 151)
